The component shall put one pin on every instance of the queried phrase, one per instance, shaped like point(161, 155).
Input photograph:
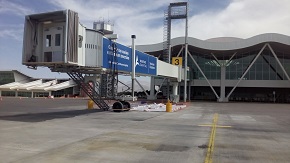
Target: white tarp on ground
point(156, 107)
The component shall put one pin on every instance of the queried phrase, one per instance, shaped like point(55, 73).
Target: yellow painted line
point(208, 158)
point(208, 125)
point(223, 126)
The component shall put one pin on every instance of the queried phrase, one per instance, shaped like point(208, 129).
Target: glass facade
point(6, 77)
point(40, 94)
point(265, 67)
point(63, 92)
point(24, 94)
point(208, 65)
point(8, 93)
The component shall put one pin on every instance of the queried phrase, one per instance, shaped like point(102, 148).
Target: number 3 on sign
point(177, 60)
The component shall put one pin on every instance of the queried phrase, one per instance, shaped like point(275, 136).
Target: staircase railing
point(88, 89)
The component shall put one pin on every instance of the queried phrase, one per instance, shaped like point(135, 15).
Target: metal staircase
point(109, 86)
point(166, 35)
point(89, 90)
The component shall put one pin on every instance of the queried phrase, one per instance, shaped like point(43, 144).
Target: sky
point(144, 18)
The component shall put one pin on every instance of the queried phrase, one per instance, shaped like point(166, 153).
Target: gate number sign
point(177, 60)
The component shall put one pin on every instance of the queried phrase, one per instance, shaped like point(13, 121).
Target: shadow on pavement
point(39, 117)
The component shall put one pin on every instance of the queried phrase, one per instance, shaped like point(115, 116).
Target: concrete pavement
point(245, 132)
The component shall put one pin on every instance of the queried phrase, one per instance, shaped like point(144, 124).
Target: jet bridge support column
point(175, 88)
point(222, 85)
point(174, 97)
point(152, 89)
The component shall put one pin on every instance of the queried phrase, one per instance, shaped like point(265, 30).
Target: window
point(24, 94)
point(8, 93)
point(41, 94)
point(63, 92)
point(6, 77)
point(48, 41)
point(57, 39)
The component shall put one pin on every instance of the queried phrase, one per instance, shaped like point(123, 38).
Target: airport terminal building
point(233, 69)
point(16, 84)
point(219, 69)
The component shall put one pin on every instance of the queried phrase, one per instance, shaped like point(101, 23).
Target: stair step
point(88, 89)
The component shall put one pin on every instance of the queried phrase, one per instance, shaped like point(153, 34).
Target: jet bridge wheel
point(127, 105)
point(121, 106)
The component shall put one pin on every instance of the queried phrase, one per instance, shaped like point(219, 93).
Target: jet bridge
point(58, 40)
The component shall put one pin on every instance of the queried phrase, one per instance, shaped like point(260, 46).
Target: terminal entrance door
point(53, 44)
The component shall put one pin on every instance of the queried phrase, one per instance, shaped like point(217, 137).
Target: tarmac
point(63, 130)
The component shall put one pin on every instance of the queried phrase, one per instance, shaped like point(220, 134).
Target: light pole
point(133, 64)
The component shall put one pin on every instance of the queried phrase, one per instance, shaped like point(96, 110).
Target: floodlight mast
point(178, 10)
point(186, 51)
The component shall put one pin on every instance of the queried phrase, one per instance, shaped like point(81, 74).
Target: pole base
point(223, 99)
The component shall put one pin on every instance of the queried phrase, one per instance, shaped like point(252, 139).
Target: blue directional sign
point(122, 60)
point(152, 63)
point(145, 64)
point(141, 62)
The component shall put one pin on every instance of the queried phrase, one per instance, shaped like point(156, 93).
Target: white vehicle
point(126, 98)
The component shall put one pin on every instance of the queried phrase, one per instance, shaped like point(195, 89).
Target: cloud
point(242, 18)
point(11, 13)
point(234, 18)
point(16, 34)
point(94, 9)
point(142, 18)
point(14, 8)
